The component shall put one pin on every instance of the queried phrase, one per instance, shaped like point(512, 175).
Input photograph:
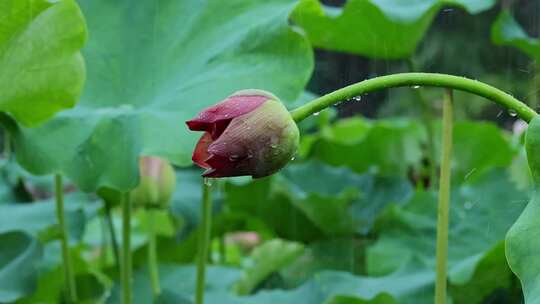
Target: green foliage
point(38, 219)
point(266, 259)
point(388, 147)
point(18, 262)
point(351, 220)
point(178, 286)
point(507, 31)
point(474, 144)
point(521, 244)
point(382, 29)
point(150, 68)
point(41, 69)
point(482, 211)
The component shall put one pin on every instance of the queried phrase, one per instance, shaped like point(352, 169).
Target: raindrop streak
point(499, 114)
point(416, 87)
point(469, 174)
point(512, 112)
point(207, 181)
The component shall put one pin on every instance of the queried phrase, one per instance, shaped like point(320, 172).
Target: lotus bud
point(249, 133)
point(157, 183)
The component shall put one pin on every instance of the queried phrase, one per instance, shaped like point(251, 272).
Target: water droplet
point(355, 98)
point(416, 87)
point(512, 112)
point(293, 158)
point(207, 181)
point(234, 157)
point(273, 146)
point(316, 113)
point(468, 205)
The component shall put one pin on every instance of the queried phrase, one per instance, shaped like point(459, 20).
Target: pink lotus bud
point(157, 183)
point(249, 133)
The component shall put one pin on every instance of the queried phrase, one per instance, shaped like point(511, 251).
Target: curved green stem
point(444, 201)
point(69, 276)
point(204, 240)
point(152, 254)
point(125, 269)
point(415, 79)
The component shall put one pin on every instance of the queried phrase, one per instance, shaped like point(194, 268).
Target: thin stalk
point(204, 240)
point(152, 254)
point(125, 269)
point(104, 242)
point(427, 118)
point(112, 232)
point(410, 80)
point(444, 201)
point(69, 276)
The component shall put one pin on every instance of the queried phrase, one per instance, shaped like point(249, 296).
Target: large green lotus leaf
point(481, 212)
point(386, 29)
point(19, 256)
point(267, 258)
point(299, 206)
point(153, 65)
point(260, 199)
point(38, 218)
point(522, 248)
point(336, 254)
point(522, 245)
point(41, 69)
point(492, 274)
point(507, 31)
point(393, 147)
point(170, 297)
point(388, 147)
point(325, 202)
point(51, 284)
point(343, 202)
point(325, 287)
point(333, 287)
point(474, 143)
point(178, 279)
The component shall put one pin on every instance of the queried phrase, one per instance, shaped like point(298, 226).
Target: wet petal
point(200, 154)
point(225, 111)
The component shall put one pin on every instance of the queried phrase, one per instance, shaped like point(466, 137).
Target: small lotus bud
point(157, 183)
point(249, 133)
